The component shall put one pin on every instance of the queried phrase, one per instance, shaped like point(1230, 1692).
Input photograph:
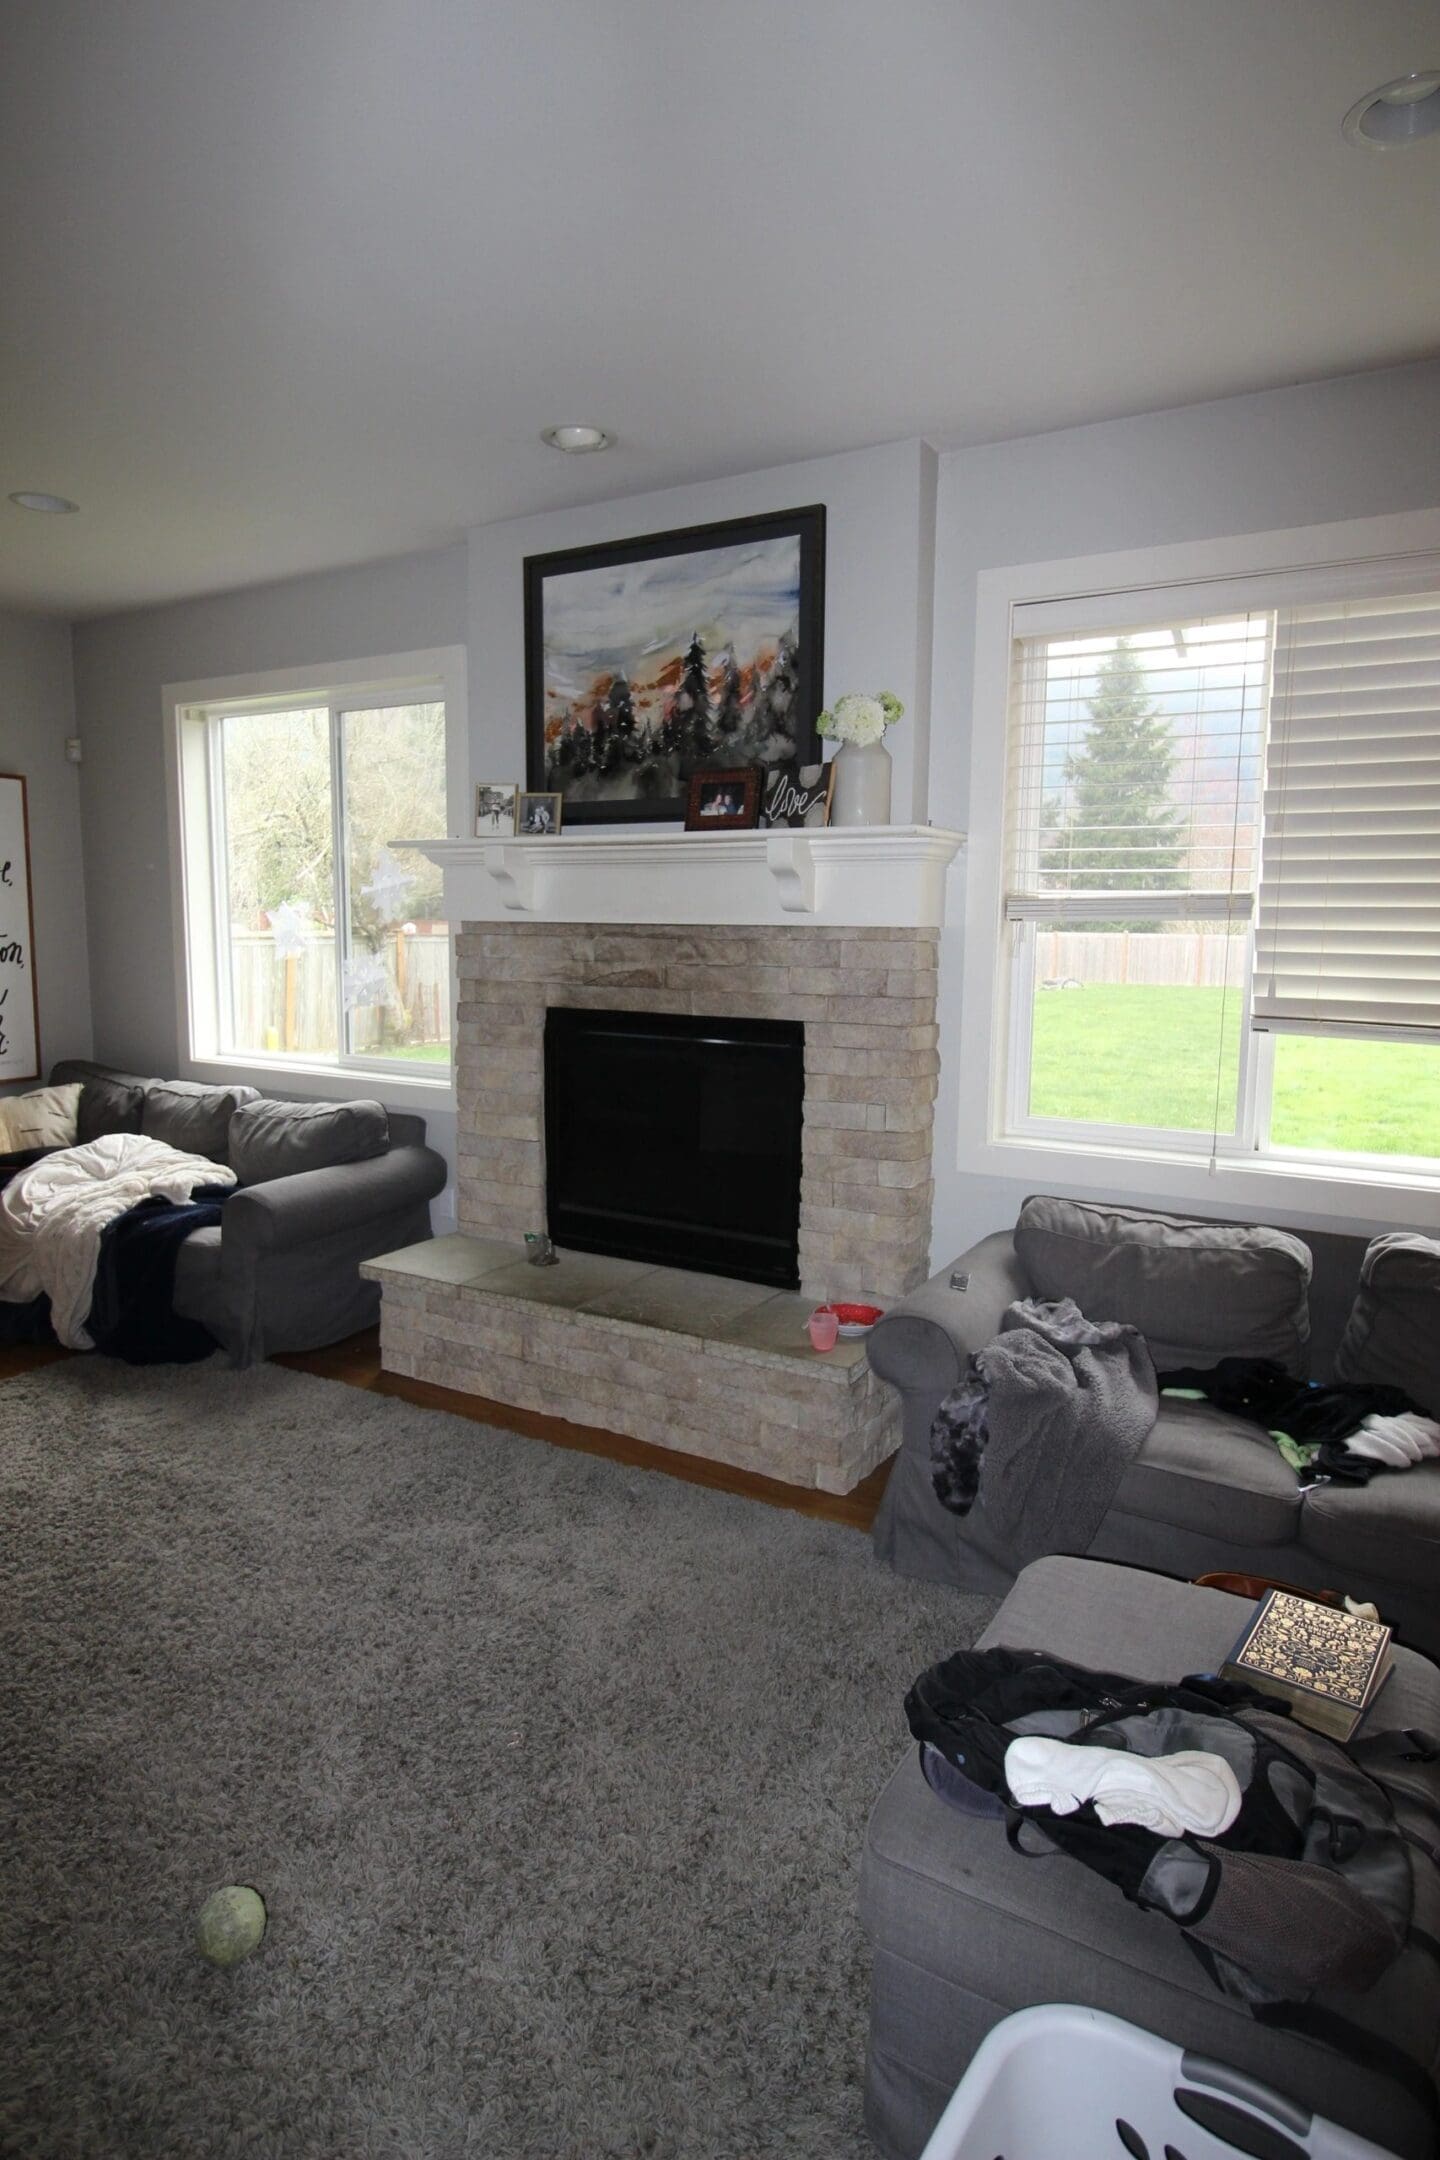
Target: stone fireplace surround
point(867, 1000)
point(674, 1362)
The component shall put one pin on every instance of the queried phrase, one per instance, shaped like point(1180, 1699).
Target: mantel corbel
point(791, 860)
point(513, 869)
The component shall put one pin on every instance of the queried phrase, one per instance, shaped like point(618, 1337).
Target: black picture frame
point(804, 664)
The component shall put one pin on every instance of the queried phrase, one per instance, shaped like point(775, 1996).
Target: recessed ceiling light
point(575, 438)
point(1398, 113)
point(32, 499)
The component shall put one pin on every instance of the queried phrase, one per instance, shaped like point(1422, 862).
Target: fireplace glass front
point(676, 1139)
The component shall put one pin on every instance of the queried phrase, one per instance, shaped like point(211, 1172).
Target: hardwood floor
point(356, 1363)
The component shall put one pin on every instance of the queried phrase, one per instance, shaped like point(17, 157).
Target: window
point(312, 938)
point(1222, 871)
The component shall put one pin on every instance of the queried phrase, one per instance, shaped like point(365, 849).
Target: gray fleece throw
point(1042, 1427)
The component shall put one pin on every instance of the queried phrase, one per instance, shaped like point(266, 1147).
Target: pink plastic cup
point(824, 1330)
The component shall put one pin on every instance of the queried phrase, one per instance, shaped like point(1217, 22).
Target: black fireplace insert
point(676, 1139)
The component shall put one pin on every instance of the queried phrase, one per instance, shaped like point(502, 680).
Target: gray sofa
point(322, 1186)
point(963, 1930)
point(1207, 1490)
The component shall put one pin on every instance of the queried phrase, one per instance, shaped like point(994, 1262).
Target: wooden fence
point(1194, 957)
point(290, 1004)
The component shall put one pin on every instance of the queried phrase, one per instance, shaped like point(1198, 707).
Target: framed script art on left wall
point(19, 1000)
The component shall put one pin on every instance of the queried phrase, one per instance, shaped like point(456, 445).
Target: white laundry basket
point(1061, 2083)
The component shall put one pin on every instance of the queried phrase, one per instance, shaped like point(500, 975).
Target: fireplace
point(675, 1138)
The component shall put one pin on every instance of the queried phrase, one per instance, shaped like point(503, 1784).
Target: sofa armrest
point(289, 1211)
point(921, 1345)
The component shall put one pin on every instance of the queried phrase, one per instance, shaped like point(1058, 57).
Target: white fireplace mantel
point(868, 876)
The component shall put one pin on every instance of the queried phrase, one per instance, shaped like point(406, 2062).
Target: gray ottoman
point(964, 1931)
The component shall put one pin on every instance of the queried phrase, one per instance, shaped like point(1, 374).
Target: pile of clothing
point(1343, 1430)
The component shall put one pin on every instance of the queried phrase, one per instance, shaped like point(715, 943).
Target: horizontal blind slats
point(1348, 921)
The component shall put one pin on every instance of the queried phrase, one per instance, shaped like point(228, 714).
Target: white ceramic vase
point(862, 785)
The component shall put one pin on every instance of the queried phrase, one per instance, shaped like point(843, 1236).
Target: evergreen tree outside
point(1120, 831)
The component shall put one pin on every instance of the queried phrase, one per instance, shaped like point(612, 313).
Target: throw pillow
point(1198, 1291)
point(108, 1105)
point(193, 1118)
point(45, 1118)
point(276, 1139)
point(1393, 1334)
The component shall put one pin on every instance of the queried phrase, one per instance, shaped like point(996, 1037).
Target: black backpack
point(1328, 1872)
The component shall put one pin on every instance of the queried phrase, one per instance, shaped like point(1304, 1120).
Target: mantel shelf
point(868, 876)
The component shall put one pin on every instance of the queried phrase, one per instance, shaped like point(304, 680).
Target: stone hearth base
point(688, 1362)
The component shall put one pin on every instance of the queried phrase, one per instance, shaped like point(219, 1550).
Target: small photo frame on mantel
point(495, 807)
point(538, 815)
point(723, 801)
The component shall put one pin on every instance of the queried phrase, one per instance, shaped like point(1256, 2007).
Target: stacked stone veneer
point(867, 998)
point(822, 1422)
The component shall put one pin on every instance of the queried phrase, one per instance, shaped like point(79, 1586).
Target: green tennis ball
point(231, 1924)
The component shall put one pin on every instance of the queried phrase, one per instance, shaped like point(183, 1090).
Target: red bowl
point(855, 1315)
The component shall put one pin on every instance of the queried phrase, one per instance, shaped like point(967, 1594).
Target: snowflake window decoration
point(367, 982)
point(290, 927)
point(388, 887)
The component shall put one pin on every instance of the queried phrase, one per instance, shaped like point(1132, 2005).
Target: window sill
point(344, 1083)
point(1345, 1195)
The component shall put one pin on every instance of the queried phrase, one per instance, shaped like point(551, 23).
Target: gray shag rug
point(553, 1774)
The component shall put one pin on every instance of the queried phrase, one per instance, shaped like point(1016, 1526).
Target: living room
point(1084, 362)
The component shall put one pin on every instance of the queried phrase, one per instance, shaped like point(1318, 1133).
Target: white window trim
point(1401, 1193)
point(183, 707)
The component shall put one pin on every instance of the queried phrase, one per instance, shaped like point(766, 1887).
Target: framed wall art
point(647, 661)
point(19, 998)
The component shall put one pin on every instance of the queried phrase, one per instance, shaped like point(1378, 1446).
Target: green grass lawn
point(422, 1053)
point(1134, 1055)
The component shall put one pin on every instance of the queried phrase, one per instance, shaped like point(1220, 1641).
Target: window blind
point(1348, 920)
point(1134, 772)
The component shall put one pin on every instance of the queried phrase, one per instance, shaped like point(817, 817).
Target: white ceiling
point(292, 283)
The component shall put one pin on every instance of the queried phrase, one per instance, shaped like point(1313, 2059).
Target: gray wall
point(122, 662)
point(37, 712)
point(879, 543)
point(1363, 446)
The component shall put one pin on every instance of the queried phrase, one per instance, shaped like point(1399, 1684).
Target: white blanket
point(53, 1214)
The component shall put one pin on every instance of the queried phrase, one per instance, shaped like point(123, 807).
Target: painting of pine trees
point(653, 660)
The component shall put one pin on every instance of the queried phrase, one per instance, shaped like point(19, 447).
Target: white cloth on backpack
point(1191, 1792)
point(1399, 1441)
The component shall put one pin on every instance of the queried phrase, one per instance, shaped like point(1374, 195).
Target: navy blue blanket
point(132, 1314)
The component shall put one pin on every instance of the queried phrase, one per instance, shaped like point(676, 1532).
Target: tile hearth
point(698, 1363)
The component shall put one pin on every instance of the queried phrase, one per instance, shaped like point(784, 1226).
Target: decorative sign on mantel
point(19, 1004)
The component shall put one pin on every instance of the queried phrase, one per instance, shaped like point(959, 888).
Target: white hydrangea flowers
point(859, 719)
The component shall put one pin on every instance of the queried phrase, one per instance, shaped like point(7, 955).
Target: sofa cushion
point(1197, 1291)
point(1203, 1470)
point(1393, 1334)
point(109, 1104)
point(1388, 1530)
point(43, 1118)
point(275, 1139)
point(190, 1117)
